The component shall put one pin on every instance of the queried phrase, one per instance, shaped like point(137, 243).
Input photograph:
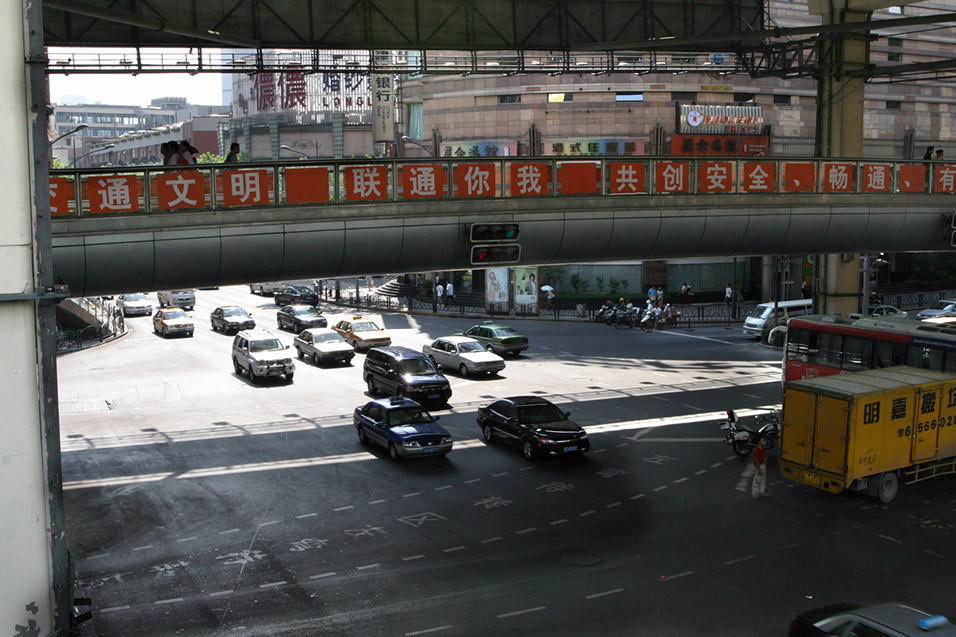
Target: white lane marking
point(522, 612)
point(716, 464)
point(453, 549)
point(425, 631)
point(273, 584)
point(376, 501)
point(697, 473)
point(739, 560)
point(97, 557)
point(412, 558)
point(587, 513)
point(498, 475)
point(612, 505)
point(442, 488)
point(321, 575)
point(268, 523)
point(660, 488)
point(604, 594)
point(679, 480)
point(412, 495)
point(472, 480)
point(492, 539)
point(367, 566)
point(529, 468)
point(345, 508)
point(637, 497)
point(933, 553)
point(561, 521)
point(623, 444)
point(891, 539)
point(113, 609)
point(142, 548)
point(228, 531)
point(523, 531)
point(665, 578)
point(186, 539)
point(168, 601)
point(220, 593)
point(305, 515)
point(598, 450)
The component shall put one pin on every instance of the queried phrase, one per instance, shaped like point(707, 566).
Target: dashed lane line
point(322, 575)
point(172, 600)
point(667, 578)
point(604, 593)
point(739, 560)
point(426, 631)
point(522, 612)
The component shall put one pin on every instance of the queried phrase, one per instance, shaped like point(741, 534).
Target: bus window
point(857, 353)
point(924, 358)
point(829, 350)
point(949, 361)
point(888, 354)
point(798, 345)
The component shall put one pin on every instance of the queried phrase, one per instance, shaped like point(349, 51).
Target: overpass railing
point(219, 187)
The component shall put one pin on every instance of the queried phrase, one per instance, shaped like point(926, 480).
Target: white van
point(753, 324)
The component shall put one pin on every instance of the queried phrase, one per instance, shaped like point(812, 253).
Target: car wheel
point(355, 345)
point(252, 375)
point(371, 386)
point(463, 370)
point(165, 333)
point(489, 348)
point(393, 451)
point(297, 327)
point(299, 353)
point(236, 366)
point(488, 434)
point(887, 487)
point(528, 450)
point(289, 377)
point(363, 437)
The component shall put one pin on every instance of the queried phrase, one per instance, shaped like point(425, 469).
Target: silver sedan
point(466, 355)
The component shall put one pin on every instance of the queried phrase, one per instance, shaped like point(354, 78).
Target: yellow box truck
point(869, 430)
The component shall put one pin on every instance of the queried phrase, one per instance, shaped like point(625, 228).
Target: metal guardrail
point(110, 325)
point(216, 187)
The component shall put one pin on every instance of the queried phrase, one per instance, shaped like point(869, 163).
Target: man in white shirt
point(449, 293)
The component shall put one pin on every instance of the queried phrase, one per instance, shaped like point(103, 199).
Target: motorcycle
point(625, 317)
point(603, 312)
point(670, 321)
point(743, 439)
point(648, 321)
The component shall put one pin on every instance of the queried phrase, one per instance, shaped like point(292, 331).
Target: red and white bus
point(821, 345)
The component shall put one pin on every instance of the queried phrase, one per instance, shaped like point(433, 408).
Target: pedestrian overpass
point(142, 229)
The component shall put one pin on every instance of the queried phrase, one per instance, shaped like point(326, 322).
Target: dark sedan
point(534, 424)
point(231, 319)
point(300, 317)
point(295, 295)
point(402, 426)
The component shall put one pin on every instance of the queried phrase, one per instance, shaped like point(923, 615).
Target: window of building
point(416, 121)
point(683, 59)
point(897, 42)
point(743, 98)
point(629, 97)
point(898, 10)
point(894, 56)
point(509, 99)
point(684, 96)
point(560, 97)
point(894, 105)
point(781, 99)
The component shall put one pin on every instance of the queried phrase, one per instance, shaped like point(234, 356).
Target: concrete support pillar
point(840, 134)
point(768, 279)
point(34, 590)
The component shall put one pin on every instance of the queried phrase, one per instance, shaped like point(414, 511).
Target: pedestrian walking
point(928, 154)
point(440, 292)
point(760, 469)
point(660, 296)
point(728, 294)
point(449, 292)
point(550, 298)
point(652, 294)
point(233, 156)
point(939, 154)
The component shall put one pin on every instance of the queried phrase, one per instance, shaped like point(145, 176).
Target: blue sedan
point(401, 426)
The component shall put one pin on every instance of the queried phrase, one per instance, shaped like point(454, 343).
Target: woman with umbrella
point(550, 291)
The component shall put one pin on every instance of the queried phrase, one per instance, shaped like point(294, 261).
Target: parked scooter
point(743, 439)
point(604, 312)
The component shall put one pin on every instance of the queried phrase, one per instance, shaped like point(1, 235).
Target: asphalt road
point(198, 503)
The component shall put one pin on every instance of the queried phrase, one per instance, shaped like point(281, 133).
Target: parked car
point(261, 354)
point(295, 295)
point(300, 317)
point(881, 620)
point(134, 304)
point(401, 426)
point(266, 288)
point(498, 338)
point(172, 320)
point(945, 307)
point(362, 333)
point(400, 371)
point(887, 311)
point(534, 424)
point(185, 299)
point(464, 354)
point(323, 345)
point(231, 318)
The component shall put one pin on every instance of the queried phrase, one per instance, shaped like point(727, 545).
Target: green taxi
point(498, 338)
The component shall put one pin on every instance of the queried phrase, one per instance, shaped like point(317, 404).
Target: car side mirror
point(567, 414)
point(436, 418)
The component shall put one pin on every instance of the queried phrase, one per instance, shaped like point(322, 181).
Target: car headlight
point(446, 440)
point(545, 441)
point(410, 444)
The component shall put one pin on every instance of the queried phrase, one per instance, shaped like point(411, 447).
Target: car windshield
point(943, 305)
point(234, 311)
point(134, 297)
point(300, 290)
point(365, 326)
point(174, 314)
point(265, 345)
point(329, 337)
point(760, 312)
point(538, 414)
point(506, 331)
point(470, 347)
point(299, 311)
point(418, 366)
point(408, 416)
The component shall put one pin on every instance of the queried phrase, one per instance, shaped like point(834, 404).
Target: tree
point(579, 283)
point(210, 158)
point(615, 285)
point(599, 280)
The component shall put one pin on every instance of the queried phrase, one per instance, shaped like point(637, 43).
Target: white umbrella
point(546, 288)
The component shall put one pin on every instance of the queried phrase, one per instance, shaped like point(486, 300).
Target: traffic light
point(493, 232)
point(495, 254)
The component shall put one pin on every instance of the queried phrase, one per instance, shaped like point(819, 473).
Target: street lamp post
point(95, 150)
point(299, 152)
point(75, 130)
point(409, 140)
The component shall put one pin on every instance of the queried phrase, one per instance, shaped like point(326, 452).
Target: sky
point(128, 90)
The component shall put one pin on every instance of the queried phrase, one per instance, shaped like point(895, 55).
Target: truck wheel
point(887, 487)
point(741, 448)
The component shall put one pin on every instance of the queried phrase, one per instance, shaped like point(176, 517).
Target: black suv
point(400, 371)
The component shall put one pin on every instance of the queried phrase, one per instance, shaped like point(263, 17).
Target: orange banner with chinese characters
point(839, 177)
point(715, 176)
point(944, 178)
point(476, 180)
point(530, 179)
point(876, 177)
point(579, 178)
point(626, 177)
point(62, 196)
point(798, 177)
point(115, 193)
point(245, 187)
point(307, 185)
point(759, 176)
point(423, 181)
point(672, 176)
point(180, 189)
point(913, 178)
point(366, 183)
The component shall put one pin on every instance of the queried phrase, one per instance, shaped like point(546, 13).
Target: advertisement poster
point(526, 286)
point(496, 285)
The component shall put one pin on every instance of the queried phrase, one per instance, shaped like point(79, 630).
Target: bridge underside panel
point(633, 236)
point(891, 231)
point(312, 248)
point(809, 230)
point(126, 261)
point(371, 244)
point(766, 232)
point(541, 237)
point(251, 254)
point(686, 226)
point(430, 244)
point(583, 238)
point(185, 254)
point(723, 230)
